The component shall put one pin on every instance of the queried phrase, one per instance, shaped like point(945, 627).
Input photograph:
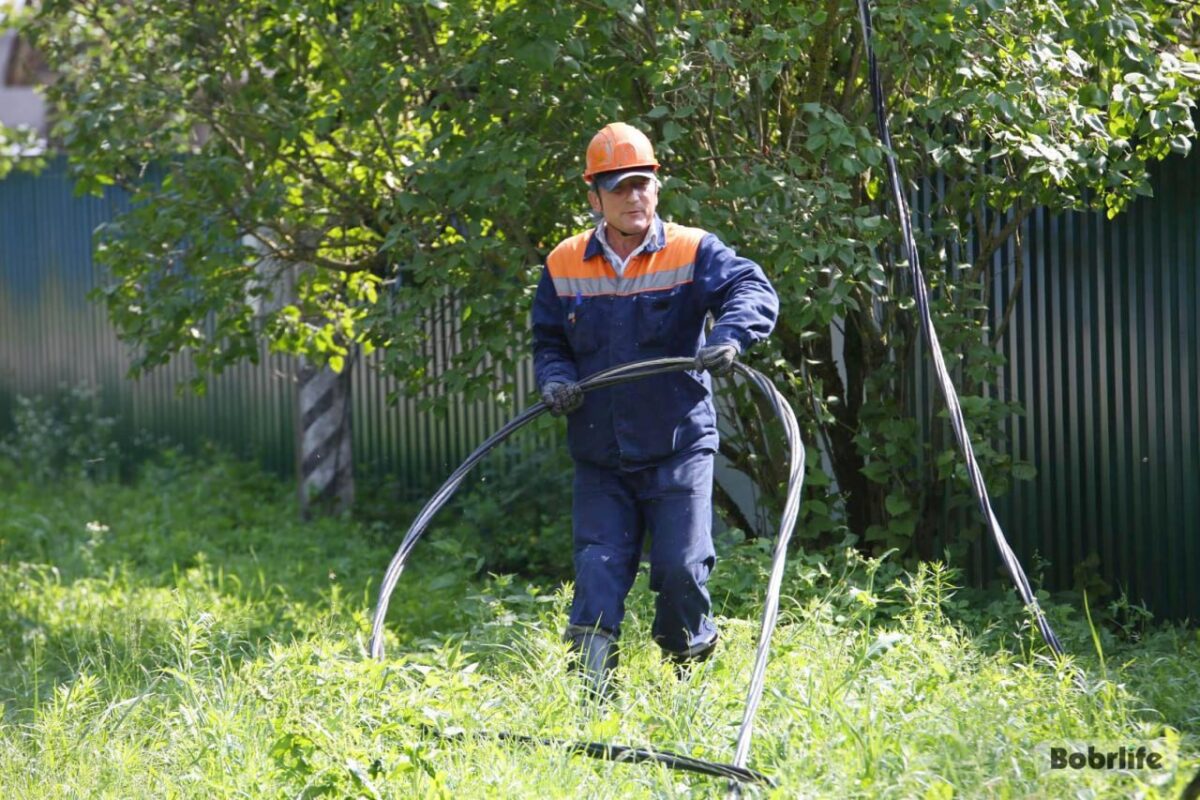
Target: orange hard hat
point(618, 146)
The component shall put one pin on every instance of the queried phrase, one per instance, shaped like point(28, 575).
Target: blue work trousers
point(612, 511)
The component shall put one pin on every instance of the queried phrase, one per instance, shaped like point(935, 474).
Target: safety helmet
point(618, 146)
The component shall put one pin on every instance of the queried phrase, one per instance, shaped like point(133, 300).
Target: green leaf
point(877, 471)
point(897, 504)
point(1024, 471)
point(719, 50)
point(903, 526)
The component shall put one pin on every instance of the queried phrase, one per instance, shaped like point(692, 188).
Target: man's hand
point(717, 359)
point(562, 397)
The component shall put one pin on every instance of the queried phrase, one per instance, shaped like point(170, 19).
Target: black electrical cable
point(737, 771)
point(947, 386)
point(628, 755)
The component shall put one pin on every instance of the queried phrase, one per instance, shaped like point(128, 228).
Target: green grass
point(196, 641)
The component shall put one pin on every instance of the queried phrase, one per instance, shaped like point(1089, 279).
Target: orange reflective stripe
point(566, 260)
point(682, 243)
point(655, 281)
point(671, 266)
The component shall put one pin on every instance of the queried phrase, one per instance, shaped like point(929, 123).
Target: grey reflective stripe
point(657, 280)
point(665, 279)
point(570, 287)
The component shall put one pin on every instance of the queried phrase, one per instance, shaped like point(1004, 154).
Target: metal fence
point(1104, 354)
point(51, 336)
point(1103, 350)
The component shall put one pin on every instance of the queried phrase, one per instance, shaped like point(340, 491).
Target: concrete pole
point(324, 454)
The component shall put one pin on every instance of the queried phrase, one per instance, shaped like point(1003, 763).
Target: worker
point(634, 288)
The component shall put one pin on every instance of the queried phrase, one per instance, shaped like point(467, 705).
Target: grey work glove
point(717, 359)
point(562, 397)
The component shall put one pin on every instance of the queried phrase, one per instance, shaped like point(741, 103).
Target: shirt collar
point(658, 239)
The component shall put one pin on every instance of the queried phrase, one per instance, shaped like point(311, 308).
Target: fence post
point(324, 454)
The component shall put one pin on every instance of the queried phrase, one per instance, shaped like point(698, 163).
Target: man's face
point(629, 207)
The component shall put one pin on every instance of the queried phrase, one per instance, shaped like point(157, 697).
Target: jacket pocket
point(585, 324)
point(657, 313)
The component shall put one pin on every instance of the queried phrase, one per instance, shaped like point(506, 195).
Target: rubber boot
point(685, 662)
point(595, 656)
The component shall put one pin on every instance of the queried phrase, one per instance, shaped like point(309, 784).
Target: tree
point(411, 152)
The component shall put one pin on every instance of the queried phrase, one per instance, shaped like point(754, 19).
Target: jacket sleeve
point(738, 294)
point(552, 356)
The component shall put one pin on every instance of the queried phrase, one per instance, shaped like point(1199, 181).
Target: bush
point(63, 435)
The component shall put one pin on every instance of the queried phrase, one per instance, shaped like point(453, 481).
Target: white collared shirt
point(618, 264)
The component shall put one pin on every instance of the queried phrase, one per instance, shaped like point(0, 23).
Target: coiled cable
point(623, 373)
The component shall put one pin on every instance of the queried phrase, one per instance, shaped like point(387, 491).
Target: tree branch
point(850, 85)
point(1013, 293)
point(998, 237)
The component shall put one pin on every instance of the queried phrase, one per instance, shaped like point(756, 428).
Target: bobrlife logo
point(1145, 758)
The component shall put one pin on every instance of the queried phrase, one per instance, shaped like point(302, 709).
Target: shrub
point(62, 435)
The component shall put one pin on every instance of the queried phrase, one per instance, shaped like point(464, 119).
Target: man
point(631, 289)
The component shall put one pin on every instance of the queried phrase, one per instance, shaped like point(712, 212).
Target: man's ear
point(594, 199)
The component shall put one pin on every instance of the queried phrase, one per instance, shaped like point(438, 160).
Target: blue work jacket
point(587, 318)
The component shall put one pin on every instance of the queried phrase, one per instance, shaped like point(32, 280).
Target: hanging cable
point(939, 363)
point(737, 771)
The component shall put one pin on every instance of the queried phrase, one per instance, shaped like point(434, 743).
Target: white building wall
point(20, 106)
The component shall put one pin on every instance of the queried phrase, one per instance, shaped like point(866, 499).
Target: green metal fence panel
point(51, 335)
point(1104, 354)
point(397, 438)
